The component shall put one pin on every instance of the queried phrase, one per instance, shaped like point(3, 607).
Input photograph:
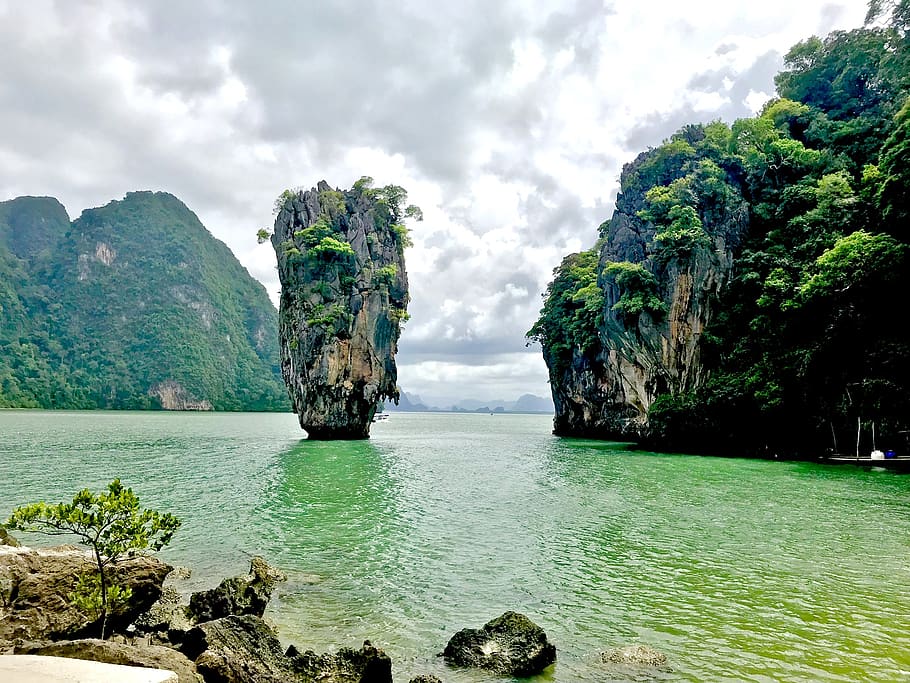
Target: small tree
point(112, 524)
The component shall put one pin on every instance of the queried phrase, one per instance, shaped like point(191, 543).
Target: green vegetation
point(129, 297)
point(388, 202)
point(399, 315)
point(639, 291)
point(332, 203)
point(806, 342)
point(113, 525)
point(325, 268)
point(284, 200)
point(682, 235)
point(386, 274)
point(806, 337)
point(572, 312)
point(403, 236)
point(312, 235)
point(329, 316)
point(330, 248)
point(893, 176)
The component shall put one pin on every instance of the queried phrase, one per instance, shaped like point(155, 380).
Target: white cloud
point(756, 100)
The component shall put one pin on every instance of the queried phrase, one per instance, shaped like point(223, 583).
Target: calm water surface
point(740, 570)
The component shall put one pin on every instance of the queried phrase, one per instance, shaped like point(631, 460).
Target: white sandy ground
point(37, 669)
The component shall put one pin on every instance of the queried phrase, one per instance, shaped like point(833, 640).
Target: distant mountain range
point(134, 305)
point(527, 403)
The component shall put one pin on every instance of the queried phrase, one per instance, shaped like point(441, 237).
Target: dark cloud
point(452, 255)
point(579, 26)
point(339, 74)
point(759, 77)
point(831, 15)
point(553, 211)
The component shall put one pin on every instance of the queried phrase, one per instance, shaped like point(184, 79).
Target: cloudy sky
point(508, 123)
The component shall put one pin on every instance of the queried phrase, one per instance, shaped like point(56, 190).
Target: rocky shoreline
point(219, 635)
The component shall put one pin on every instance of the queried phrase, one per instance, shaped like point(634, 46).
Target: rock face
point(167, 621)
point(243, 649)
point(238, 650)
point(607, 394)
point(35, 586)
point(510, 645)
point(344, 293)
point(369, 664)
point(173, 396)
point(239, 595)
point(7, 539)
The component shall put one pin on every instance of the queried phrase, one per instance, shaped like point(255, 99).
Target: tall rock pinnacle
point(344, 295)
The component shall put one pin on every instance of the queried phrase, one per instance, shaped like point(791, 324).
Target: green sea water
point(739, 570)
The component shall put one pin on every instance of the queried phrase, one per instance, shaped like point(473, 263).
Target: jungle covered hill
point(134, 305)
point(748, 294)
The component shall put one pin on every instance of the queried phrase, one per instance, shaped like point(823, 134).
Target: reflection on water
point(739, 570)
point(332, 520)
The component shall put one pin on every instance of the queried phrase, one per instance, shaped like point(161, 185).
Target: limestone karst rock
point(642, 347)
point(344, 295)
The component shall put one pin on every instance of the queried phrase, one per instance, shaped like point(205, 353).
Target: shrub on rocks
point(36, 584)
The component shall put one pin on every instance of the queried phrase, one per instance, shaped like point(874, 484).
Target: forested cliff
point(133, 305)
point(748, 293)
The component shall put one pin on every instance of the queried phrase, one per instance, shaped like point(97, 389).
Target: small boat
point(888, 459)
point(381, 416)
point(895, 462)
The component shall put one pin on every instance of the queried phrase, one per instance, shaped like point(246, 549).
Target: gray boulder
point(35, 585)
point(238, 649)
point(369, 664)
point(167, 621)
point(510, 645)
point(237, 596)
point(7, 539)
point(243, 649)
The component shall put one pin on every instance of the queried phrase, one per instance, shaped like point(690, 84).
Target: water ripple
point(739, 570)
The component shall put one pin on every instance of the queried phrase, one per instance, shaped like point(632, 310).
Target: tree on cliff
point(795, 228)
point(572, 311)
point(894, 195)
point(113, 525)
